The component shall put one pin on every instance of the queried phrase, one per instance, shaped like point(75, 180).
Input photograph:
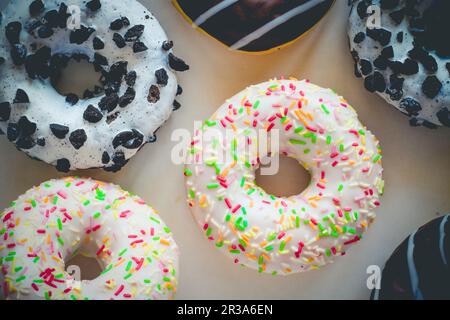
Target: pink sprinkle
point(289, 126)
point(62, 194)
point(205, 226)
point(228, 203)
point(136, 242)
point(119, 290)
point(100, 250)
point(35, 287)
point(67, 216)
point(236, 208)
point(281, 235)
point(27, 208)
point(7, 216)
point(79, 183)
point(229, 120)
point(270, 127)
point(311, 129)
point(223, 123)
point(321, 186)
point(334, 164)
point(40, 231)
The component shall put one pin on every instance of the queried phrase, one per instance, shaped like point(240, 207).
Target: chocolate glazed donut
point(419, 268)
point(254, 25)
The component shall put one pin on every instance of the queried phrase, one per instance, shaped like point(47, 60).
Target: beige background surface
point(416, 162)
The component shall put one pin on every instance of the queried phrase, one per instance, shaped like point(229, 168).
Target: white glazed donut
point(280, 235)
point(52, 222)
point(101, 129)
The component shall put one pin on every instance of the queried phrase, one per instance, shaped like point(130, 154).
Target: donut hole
point(289, 180)
point(87, 268)
point(78, 77)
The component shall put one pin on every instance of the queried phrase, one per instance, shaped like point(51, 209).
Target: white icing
point(47, 106)
point(277, 225)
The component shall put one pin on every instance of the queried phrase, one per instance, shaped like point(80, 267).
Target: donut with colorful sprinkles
point(284, 235)
point(61, 218)
point(402, 52)
point(104, 126)
point(254, 26)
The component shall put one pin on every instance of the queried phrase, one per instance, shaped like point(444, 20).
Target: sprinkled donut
point(52, 222)
point(107, 126)
point(255, 26)
point(280, 235)
point(419, 268)
point(406, 59)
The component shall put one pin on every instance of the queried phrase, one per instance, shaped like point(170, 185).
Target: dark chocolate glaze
point(246, 16)
point(420, 266)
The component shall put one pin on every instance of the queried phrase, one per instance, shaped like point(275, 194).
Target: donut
point(406, 58)
point(419, 267)
point(254, 26)
point(104, 128)
point(284, 235)
point(58, 219)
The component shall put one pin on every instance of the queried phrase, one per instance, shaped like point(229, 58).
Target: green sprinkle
point(256, 104)
point(282, 245)
point(147, 281)
point(123, 252)
point(299, 129)
point(341, 148)
point(191, 194)
point(208, 231)
point(61, 241)
point(187, 173)
point(269, 248)
point(328, 139)
point(242, 182)
point(20, 278)
point(212, 186)
point(324, 108)
point(129, 264)
point(97, 215)
point(235, 251)
point(328, 252)
point(376, 158)
point(86, 202)
point(47, 296)
point(55, 199)
point(297, 221)
point(341, 187)
point(219, 244)
point(297, 142)
point(60, 226)
point(128, 276)
point(155, 220)
point(306, 151)
point(33, 203)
